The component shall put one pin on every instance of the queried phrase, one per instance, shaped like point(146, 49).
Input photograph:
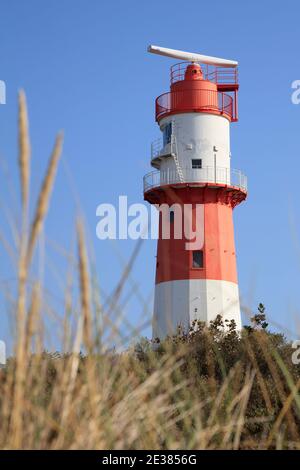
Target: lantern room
point(200, 88)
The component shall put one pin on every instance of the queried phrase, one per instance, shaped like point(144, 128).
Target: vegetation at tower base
point(248, 376)
point(212, 388)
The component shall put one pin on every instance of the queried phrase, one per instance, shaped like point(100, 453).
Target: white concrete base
point(181, 302)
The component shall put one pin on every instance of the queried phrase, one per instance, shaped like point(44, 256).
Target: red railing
point(215, 74)
point(186, 101)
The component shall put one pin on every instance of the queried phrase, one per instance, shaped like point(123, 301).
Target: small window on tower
point(167, 133)
point(197, 163)
point(198, 259)
point(172, 216)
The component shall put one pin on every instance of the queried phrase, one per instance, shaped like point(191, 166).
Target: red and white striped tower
point(193, 167)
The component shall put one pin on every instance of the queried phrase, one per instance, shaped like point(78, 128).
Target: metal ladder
point(175, 156)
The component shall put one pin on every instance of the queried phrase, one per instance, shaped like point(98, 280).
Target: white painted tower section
point(205, 298)
point(198, 136)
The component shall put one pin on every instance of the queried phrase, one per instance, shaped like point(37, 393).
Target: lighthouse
point(192, 169)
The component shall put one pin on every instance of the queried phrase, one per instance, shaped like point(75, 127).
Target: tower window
point(197, 163)
point(172, 217)
point(198, 259)
point(167, 133)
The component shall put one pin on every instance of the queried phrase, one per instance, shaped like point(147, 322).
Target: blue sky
point(84, 67)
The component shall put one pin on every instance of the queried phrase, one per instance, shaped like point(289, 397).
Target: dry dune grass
point(207, 390)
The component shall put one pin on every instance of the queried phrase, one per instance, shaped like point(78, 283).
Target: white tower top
point(192, 56)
